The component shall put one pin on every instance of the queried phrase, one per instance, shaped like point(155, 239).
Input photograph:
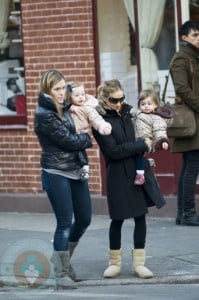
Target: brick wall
point(56, 35)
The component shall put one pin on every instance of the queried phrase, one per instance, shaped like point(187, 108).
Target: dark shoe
point(190, 220)
point(178, 221)
point(179, 217)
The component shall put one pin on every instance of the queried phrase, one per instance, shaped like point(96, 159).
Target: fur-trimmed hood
point(164, 112)
point(102, 107)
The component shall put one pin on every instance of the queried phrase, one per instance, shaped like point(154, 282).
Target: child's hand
point(165, 146)
point(73, 108)
point(162, 144)
point(105, 129)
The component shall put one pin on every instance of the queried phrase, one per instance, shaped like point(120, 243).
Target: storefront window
point(194, 10)
point(12, 88)
point(118, 35)
point(117, 45)
point(166, 45)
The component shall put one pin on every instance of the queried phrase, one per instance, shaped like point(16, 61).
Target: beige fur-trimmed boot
point(114, 268)
point(138, 257)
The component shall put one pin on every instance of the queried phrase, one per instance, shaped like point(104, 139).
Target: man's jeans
point(187, 180)
point(69, 198)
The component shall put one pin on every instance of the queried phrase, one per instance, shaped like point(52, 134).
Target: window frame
point(16, 121)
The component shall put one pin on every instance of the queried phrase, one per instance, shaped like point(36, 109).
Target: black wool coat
point(126, 200)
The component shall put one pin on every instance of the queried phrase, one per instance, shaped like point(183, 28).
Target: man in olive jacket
point(185, 75)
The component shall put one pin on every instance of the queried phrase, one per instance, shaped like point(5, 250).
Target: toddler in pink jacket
point(85, 116)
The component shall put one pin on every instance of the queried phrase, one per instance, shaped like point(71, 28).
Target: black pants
point(139, 235)
point(187, 180)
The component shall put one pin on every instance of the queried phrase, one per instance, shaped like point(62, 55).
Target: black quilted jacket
point(61, 146)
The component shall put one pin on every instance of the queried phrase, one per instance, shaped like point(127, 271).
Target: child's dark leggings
point(139, 235)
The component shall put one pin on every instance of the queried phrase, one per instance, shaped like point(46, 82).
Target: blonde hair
point(108, 87)
point(149, 93)
point(48, 80)
point(69, 89)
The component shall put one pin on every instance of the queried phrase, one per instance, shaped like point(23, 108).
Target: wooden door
point(167, 170)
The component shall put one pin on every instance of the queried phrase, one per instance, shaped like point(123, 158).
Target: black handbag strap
point(167, 80)
point(165, 88)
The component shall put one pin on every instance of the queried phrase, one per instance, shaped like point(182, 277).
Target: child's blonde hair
point(149, 93)
point(69, 89)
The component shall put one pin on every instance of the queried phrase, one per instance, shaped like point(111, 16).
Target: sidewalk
point(172, 251)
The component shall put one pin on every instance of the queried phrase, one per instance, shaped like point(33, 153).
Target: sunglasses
point(116, 100)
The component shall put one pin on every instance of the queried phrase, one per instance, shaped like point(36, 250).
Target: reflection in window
point(194, 10)
point(132, 44)
point(12, 91)
point(166, 45)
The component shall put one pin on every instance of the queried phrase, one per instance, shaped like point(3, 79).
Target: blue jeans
point(69, 198)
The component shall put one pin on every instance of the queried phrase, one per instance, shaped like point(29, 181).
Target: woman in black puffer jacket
point(61, 161)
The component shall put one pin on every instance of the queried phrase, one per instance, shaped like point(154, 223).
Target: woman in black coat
point(125, 200)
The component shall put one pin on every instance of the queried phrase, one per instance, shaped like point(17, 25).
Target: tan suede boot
point(114, 267)
point(138, 257)
point(61, 262)
point(71, 248)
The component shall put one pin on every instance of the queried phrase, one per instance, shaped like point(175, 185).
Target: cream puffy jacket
point(153, 127)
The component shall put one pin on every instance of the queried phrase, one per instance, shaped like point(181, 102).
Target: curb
point(186, 279)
